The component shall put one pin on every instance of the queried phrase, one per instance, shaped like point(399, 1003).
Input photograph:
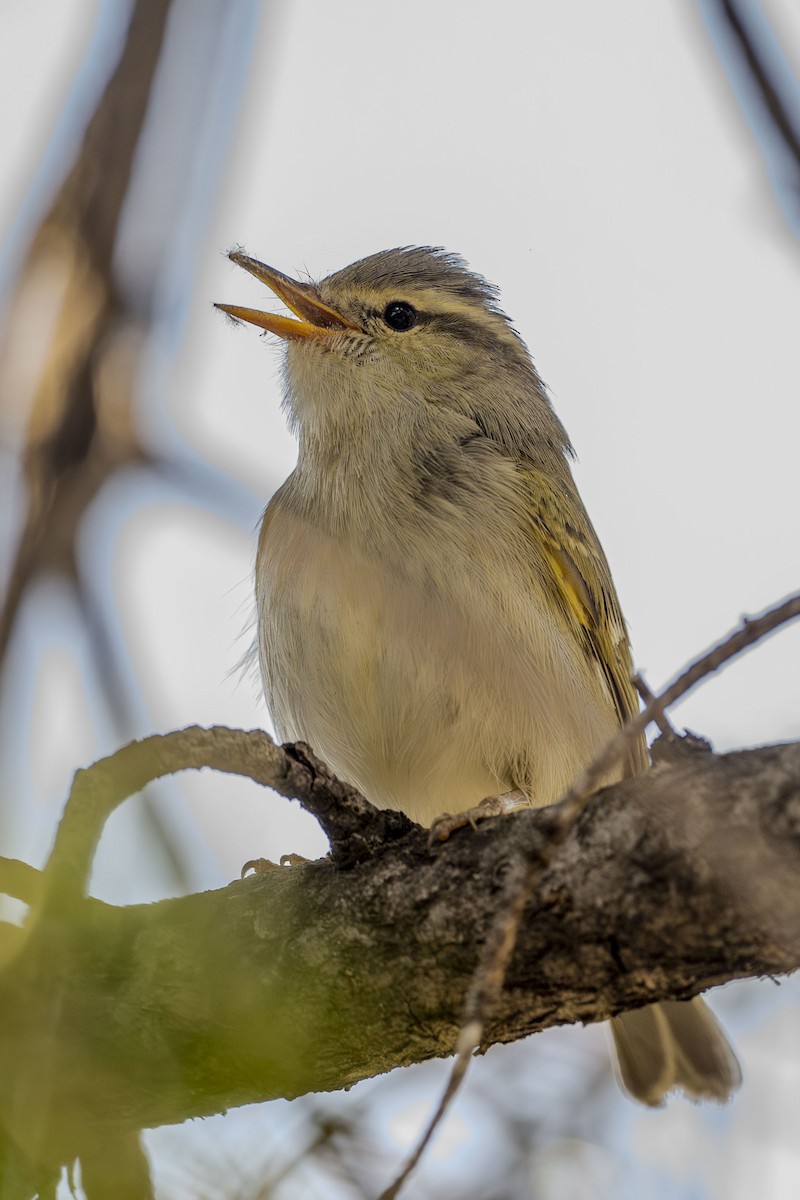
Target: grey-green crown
point(418, 267)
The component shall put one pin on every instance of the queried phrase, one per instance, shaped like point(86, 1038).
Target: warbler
point(436, 616)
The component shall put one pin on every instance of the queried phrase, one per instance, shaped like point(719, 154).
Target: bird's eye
point(399, 315)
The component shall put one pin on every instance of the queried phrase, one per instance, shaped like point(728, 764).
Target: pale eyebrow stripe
point(462, 320)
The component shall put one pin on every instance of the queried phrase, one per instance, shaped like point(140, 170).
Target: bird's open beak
point(315, 318)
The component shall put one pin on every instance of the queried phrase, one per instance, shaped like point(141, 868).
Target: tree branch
point(561, 820)
point(314, 977)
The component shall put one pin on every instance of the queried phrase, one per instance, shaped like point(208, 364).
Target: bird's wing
point(584, 591)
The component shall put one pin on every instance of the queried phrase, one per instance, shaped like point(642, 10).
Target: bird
point(436, 616)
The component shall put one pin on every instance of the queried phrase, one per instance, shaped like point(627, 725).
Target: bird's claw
point(492, 806)
point(259, 866)
point(293, 860)
point(262, 866)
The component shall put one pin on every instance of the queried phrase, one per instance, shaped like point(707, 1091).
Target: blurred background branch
point(766, 90)
point(86, 307)
point(69, 299)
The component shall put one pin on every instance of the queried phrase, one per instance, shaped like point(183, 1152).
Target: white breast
point(428, 681)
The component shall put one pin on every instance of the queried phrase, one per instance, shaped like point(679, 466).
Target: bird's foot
point(492, 806)
point(262, 866)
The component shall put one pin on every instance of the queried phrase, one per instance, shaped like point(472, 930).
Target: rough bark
point(312, 977)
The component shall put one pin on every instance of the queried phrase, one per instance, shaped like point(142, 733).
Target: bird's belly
point(409, 697)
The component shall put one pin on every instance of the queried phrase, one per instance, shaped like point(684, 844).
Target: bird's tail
point(674, 1046)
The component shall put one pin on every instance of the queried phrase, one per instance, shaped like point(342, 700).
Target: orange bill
point(315, 318)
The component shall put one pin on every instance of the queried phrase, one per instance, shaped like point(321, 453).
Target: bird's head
point(408, 337)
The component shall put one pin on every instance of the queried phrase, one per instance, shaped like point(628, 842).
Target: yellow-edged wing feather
point(584, 592)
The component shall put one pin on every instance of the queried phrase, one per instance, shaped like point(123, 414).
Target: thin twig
point(489, 975)
point(484, 991)
point(354, 827)
point(663, 722)
point(752, 630)
point(457, 1073)
point(99, 789)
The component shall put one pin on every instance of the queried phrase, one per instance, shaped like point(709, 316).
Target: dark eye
point(399, 315)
